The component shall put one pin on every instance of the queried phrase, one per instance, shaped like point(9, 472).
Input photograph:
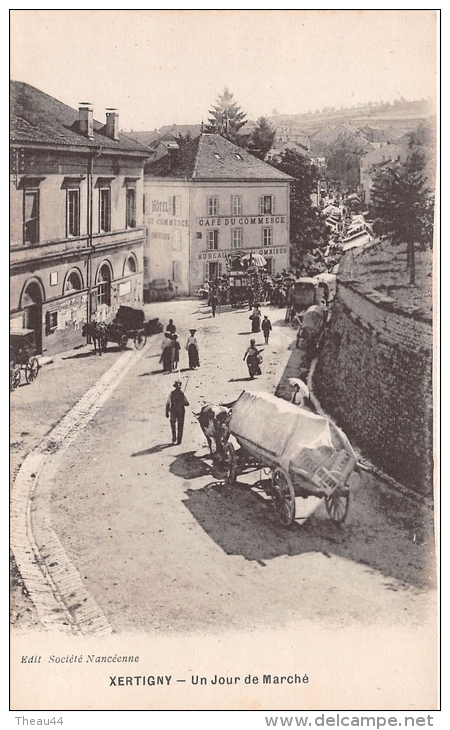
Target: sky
point(161, 67)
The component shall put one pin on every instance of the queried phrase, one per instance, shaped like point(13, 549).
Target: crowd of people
point(170, 355)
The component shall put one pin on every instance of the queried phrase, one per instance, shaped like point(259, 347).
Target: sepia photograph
point(224, 392)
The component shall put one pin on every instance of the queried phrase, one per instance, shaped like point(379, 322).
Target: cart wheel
point(140, 340)
point(283, 497)
point(230, 464)
point(14, 379)
point(31, 369)
point(123, 342)
point(337, 505)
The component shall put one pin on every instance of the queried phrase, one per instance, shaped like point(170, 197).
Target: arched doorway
point(31, 304)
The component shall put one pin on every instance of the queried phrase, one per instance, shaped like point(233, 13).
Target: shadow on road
point(242, 522)
point(153, 450)
point(189, 466)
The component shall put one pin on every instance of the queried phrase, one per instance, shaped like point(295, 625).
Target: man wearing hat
point(192, 350)
point(175, 406)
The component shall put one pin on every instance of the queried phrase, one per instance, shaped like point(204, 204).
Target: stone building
point(76, 228)
point(209, 200)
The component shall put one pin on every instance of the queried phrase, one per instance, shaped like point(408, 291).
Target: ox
point(215, 424)
point(98, 332)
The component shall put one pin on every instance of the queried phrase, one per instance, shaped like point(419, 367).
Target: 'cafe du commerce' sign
point(262, 220)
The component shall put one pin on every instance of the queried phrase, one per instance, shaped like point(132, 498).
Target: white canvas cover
point(277, 426)
point(292, 435)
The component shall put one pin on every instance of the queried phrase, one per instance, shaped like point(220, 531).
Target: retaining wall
point(374, 376)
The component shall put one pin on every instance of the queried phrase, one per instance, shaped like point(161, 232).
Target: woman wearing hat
point(192, 350)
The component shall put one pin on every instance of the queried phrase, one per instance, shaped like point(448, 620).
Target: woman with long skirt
point(166, 355)
point(192, 350)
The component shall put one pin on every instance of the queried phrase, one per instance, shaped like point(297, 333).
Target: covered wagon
point(305, 454)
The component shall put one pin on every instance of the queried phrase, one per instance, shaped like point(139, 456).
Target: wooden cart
point(22, 357)
point(305, 454)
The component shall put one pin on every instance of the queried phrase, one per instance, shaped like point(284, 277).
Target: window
point(73, 282)
point(73, 212)
point(130, 266)
point(104, 285)
point(236, 238)
point(176, 240)
point(213, 270)
point(31, 216)
point(236, 205)
point(176, 271)
point(213, 206)
point(175, 205)
point(51, 323)
point(269, 267)
point(131, 207)
point(267, 236)
point(213, 240)
point(105, 209)
point(266, 204)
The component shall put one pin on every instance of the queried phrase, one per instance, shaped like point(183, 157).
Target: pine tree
point(262, 138)
point(403, 203)
point(226, 119)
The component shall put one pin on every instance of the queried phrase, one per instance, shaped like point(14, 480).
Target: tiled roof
point(38, 117)
point(212, 157)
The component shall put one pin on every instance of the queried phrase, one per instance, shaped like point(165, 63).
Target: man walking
point(266, 326)
point(175, 407)
point(213, 302)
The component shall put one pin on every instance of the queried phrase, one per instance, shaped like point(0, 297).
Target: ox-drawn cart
point(306, 454)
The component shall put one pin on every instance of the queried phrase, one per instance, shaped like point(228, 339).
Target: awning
point(255, 258)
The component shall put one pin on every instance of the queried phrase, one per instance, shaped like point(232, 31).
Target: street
point(164, 546)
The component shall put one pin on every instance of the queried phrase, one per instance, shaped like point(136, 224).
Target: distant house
point(76, 222)
point(275, 154)
point(207, 201)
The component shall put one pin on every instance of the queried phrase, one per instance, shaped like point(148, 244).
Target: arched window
point(73, 282)
point(104, 285)
point(130, 265)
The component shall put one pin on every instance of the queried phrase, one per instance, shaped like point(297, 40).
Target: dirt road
point(164, 546)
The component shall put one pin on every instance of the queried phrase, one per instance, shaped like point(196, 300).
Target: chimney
point(112, 123)
point(86, 119)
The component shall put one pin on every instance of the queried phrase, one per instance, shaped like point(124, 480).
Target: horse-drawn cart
point(305, 454)
point(130, 324)
point(22, 356)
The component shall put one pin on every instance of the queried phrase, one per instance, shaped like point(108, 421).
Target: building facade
point(208, 201)
point(76, 218)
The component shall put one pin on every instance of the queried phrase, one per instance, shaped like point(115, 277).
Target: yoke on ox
point(214, 422)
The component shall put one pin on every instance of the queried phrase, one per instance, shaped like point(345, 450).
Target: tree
point(262, 138)
point(183, 139)
point(403, 203)
point(343, 163)
point(226, 118)
point(307, 231)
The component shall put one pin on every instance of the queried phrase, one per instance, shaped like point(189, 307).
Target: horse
point(98, 331)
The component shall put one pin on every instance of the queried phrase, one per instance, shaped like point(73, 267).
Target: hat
point(192, 331)
point(177, 383)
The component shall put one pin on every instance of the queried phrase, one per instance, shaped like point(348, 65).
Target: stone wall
point(374, 376)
